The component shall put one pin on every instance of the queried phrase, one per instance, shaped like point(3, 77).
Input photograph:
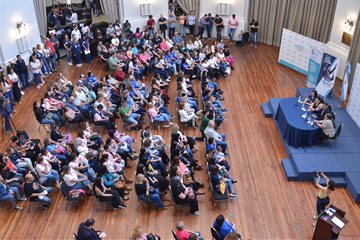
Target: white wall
point(238, 7)
point(344, 8)
point(11, 11)
point(131, 11)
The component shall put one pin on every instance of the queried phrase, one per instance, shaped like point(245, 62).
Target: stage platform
point(340, 159)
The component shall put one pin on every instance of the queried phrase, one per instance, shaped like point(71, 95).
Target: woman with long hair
point(323, 195)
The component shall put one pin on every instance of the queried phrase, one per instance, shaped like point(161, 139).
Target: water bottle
point(299, 99)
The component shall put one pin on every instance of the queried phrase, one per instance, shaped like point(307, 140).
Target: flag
point(345, 83)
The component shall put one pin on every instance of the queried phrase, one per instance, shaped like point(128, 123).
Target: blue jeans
point(77, 57)
point(229, 185)
point(159, 166)
point(52, 177)
point(11, 198)
point(24, 80)
point(68, 57)
point(232, 33)
point(154, 198)
point(80, 185)
point(9, 95)
point(48, 121)
point(163, 117)
point(182, 30)
point(37, 78)
point(209, 30)
point(46, 199)
point(132, 118)
point(254, 38)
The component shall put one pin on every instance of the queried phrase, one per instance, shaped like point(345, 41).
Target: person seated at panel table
point(311, 98)
point(223, 226)
point(327, 126)
point(320, 115)
point(317, 105)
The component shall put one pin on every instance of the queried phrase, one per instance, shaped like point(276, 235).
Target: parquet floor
point(268, 206)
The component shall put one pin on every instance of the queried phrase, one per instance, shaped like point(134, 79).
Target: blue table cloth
point(294, 129)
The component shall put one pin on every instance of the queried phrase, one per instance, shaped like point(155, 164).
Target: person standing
point(191, 23)
point(35, 67)
point(55, 41)
point(67, 46)
point(209, 26)
point(86, 47)
point(254, 28)
point(202, 25)
point(172, 24)
point(323, 195)
point(182, 20)
point(150, 25)
point(13, 77)
point(162, 25)
point(233, 23)
point(219, 23)
point(22, 71)
point(76, 50)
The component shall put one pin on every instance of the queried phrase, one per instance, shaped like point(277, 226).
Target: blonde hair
point(137, 233)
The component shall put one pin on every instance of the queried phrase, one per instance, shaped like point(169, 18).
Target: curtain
point(111, 10)
point(312, 18)
point(190, 5)
point(40, 11)
point(354, 52)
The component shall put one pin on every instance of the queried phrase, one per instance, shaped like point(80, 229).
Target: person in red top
point(119, 74)
point(53, 57)
point(150, 25)
point(184, 234)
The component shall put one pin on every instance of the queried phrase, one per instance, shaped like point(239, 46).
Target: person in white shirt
point(76, 32)
point(187, 116)
point(115, 41)
point(74, 17)
point(75, 180)
point(110, 30)
point(46, 173)
point(219, 138)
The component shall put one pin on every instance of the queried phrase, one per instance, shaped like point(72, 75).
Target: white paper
point(338, 222)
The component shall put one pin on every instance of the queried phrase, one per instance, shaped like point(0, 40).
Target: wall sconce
point(145, 9)
point(348, 25)
point(22, 28)
point(224, 9)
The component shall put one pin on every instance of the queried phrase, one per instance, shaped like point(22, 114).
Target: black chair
point(338, 131)
point(64, 189)
point(174, 235)
point(214, 233)
point(100, 199)
point(217, 197)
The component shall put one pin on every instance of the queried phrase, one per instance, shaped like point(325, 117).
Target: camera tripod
point(6, 115)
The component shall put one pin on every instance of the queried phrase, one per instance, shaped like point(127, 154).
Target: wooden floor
point(268, 206)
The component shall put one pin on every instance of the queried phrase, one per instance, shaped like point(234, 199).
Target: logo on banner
point(327, 76)
point(314, 67)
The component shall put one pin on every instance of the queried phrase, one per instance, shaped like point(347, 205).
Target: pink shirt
point(183, 235)
point(233, 23)
point(152, 112)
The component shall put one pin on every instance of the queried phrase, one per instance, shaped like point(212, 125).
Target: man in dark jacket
point(87, 232)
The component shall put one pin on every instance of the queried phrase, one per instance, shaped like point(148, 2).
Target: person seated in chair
point(107, 194)
point(320, 115)
point(327, 126)
point(100, 118)
point(10, 194)
point(184, 195)
point(128, 116)
point(217, 180)
point(87, 232)
point(219, 138)
point(147, 193)
point(223, 226)
point(36, 192)
point(184, 234)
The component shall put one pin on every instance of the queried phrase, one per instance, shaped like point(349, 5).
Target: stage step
point(289, 169)
point(274, 104)
point(266, 110)
point(339, 181)
point(353, 185)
